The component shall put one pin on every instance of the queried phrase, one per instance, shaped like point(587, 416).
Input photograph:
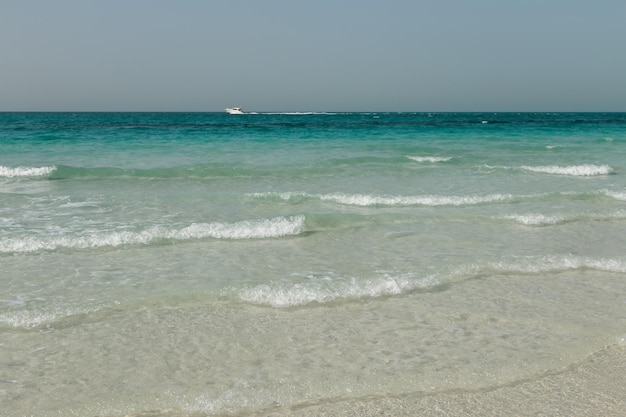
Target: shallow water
point(231, 264)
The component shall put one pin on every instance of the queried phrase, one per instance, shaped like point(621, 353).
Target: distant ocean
point(210, 263)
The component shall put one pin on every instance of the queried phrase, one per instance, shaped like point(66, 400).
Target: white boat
point(234, 110)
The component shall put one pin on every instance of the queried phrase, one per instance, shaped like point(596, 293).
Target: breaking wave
point(556, 263)
point(27, 319)
point(586, 170)
point(8, 172)
point(329, 288)
point(249, 229)
point(302, 294)
point(427, 200)
point(538, 219)
point(535, 219)
point(365, 200)
point(333, 289)
point(432, 159)
point(616, 195)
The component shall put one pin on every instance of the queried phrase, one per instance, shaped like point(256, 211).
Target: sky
point(322, 55)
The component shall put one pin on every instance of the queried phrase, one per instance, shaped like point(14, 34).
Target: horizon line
point(252, 112)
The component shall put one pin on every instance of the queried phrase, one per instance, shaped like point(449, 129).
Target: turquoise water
point(213, 263)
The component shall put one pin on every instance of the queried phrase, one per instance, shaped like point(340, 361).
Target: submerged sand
point(594, 387)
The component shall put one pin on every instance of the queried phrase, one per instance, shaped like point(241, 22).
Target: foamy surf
point(365, 200)
point(586, 170)
point(28, 319)
point(538, 219)
point(249, 229)
point(616, 195)
point(426, 200)
point(8, 172)
point(535, 219)
point(388, 284)
point(556, 263)
point(431, 159)
point(327, 291)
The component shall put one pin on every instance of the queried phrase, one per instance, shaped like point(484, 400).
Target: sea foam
point(432, 159)
point(535, 219)
point(249, 229)
point(425, 200)
point(8, 172)
point(616, 195)
point(538, 219)
point(585, 170)
point(27, 319)
point(388, 284)
point(556, 263)
point(302, 294)
point(365, 200)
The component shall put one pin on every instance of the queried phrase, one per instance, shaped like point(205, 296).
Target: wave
point(61, 172)
point(8, 172)
point(372, 200)
point(333, 289)
point(427, 200)
point(586, 170)
point(70, 172)
point(28, 319)
point(64, 172)
point(538, 219)
point(249, 229)
point(203, 170)
point(432, 159)
point(616, 195)
point(302, 294)
point(556, 263)
point(365, 200)
point(535, 219)
point(329, 287)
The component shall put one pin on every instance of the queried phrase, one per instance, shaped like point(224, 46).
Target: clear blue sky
point(334, 55)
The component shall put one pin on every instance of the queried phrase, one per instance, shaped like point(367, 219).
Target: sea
point(203, 264)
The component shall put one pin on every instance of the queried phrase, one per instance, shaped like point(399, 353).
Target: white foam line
point(302, 294)
point(26, 319)
point(427, 200)
point(373, 200)
point(326, 291)
point(431, 159)
point(616, 195)
point(560, 263)
point(535, 219)
point(9, 172)
point(251, 229)
point(586, 170)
